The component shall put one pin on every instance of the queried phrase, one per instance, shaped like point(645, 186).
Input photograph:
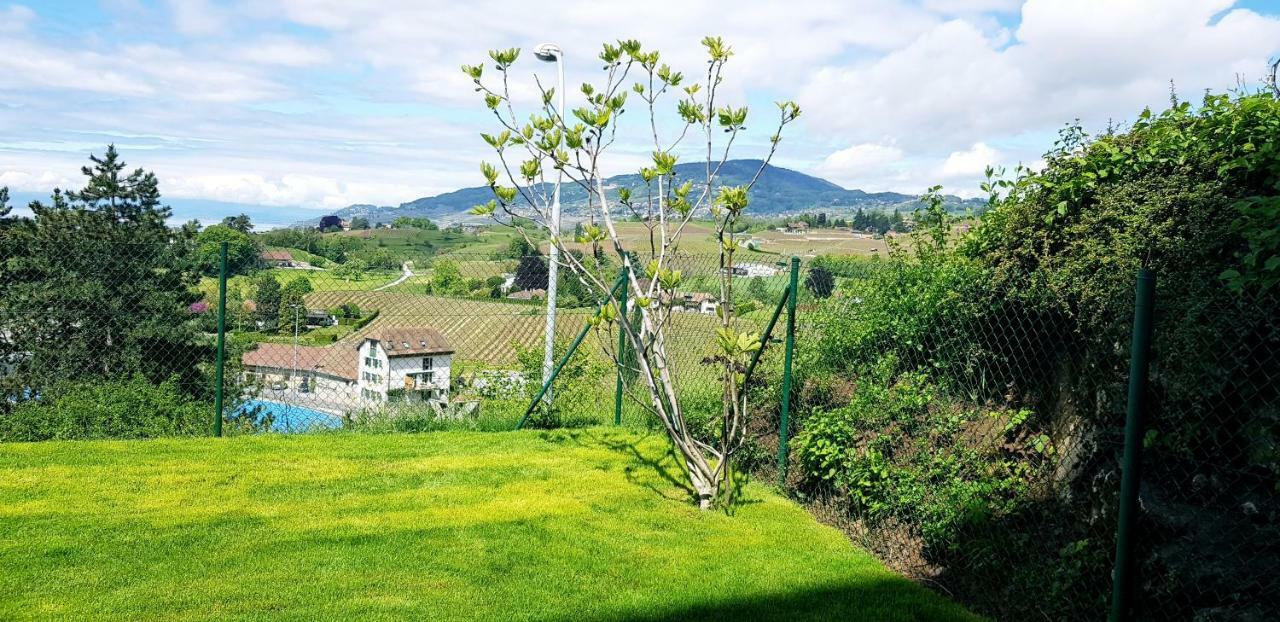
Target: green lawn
point(506, 526)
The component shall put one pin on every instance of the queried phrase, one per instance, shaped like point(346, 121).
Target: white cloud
point(956, 85)
point(32, 182)
point(283, 51)
point(857, 164)
point(288, 190)
point(15, 18)
point(969, 163)
point(197, 17)
point(953, 7)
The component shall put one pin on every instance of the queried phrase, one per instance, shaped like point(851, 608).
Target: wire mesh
point(971, 436)
point(963, 426)
point(455, 341)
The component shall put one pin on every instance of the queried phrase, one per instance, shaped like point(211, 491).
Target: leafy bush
point(579, 389)
point(901, 450)
point(972, 397)
point(133, 408)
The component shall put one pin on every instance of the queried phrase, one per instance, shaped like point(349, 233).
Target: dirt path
point(404, 276)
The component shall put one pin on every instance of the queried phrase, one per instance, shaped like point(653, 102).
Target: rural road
point(404, 276)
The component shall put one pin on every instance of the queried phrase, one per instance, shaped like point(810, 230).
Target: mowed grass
point(586, 525)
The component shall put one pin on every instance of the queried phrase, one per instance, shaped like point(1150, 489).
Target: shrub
point(132, 408)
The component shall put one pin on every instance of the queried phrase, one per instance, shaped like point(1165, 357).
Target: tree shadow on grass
point(667, 466)
point(875, 598)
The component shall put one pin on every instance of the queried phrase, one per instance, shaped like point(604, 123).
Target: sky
point(306, 106)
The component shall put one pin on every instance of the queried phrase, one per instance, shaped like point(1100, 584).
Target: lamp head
point(548, 52)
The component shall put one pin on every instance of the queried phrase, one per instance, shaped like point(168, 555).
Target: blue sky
point(310, 105)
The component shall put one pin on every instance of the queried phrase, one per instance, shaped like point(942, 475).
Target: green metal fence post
point(622, 344)
point(564, 360)
point(765, 336)
point(1131, 477)
point(793, 293)
point(222, 339)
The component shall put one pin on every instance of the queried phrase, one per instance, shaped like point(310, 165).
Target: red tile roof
point(410, 341)
point(332, 361)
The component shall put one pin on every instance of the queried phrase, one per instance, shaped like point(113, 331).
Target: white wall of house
point(371, 375)
point(379, 373)
point(422, 373)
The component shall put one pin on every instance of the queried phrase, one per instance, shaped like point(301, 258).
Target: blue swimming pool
point(288, 417)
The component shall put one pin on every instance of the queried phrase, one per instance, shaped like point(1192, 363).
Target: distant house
point(403, 362)
point(697, 301)
point(797, 227)
point(749, 269)
point(327, 375)
point(528, 294)
point(320, 317)
point(406, 361)
point(278, 259)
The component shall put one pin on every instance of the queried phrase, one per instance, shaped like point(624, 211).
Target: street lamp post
point(293, 373)
point(551, 53)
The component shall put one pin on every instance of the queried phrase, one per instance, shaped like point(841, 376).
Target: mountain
point(778, 191)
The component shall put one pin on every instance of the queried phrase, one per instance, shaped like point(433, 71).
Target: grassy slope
point(533, 526)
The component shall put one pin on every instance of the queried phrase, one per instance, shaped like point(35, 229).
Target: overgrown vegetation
point(963, 402)
point(96, 287)
point(130, 408)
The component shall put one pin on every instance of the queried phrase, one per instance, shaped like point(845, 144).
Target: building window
point(426, 363)
point(372, 378)
point(372, 362)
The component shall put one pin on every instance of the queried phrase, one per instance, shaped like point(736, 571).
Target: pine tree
point(105, 286)
point(531, 273)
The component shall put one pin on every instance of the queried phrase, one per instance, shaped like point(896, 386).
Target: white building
point(749, 269)
point(404, 362)
point(399, 363)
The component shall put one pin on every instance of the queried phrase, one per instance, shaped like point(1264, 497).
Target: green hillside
point(779, 190)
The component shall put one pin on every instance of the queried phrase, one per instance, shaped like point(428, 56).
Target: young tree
point(519, 248)
point(239, 223)
point(359, 223)
point(267, 296)
point(293, 307)
point(575, 142)
point(242, 250)
point(820, 281)
point(352, 270)
point(446, 276)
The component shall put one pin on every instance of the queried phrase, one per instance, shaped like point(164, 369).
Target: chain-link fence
point(966, 427)
point(102, 337)
point(971, 434)
point(459, 341)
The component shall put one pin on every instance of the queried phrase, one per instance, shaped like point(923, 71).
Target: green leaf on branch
point(490, 173)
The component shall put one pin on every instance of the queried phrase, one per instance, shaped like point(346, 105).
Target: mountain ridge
point(779, 191)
